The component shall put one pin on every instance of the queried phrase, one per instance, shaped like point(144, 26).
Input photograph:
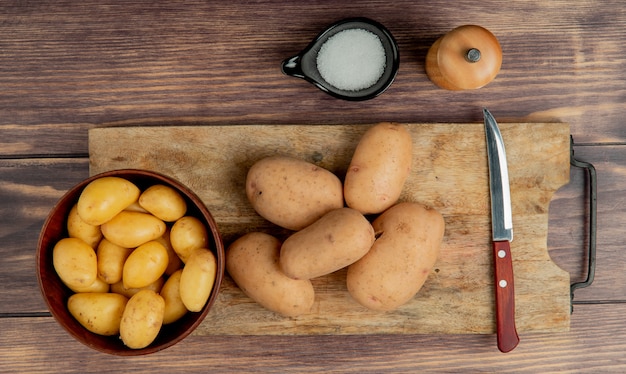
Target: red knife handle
point(505, 296)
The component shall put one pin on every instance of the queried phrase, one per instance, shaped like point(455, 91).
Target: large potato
point(132, 229)
point(78, 228)
point(142, 319)
point(400, 260)
point(292, 193)
point(197, 279)
point(75, 262)
point(103, 198)
point(339, 238)
point(145, 265)
point(252, 262)
point(100, 313)
point(164, 202)
point(379, 167)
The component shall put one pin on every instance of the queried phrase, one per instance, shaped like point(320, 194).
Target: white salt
point(352, 59)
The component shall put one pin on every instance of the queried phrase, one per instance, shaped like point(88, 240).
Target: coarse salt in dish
point(352, 60)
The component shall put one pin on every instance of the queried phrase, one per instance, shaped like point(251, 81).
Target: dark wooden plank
point(595, 343)
point(28, 190)
point(44, 140)
point(68, 64)
point(145, 62)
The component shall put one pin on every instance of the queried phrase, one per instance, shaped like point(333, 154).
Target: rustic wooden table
point(67, 66)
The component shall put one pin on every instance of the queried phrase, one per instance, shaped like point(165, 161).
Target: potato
point(111, 258)
point(174, 306)
point(103, 198)
point(197, 279)
point(174, 262)
point(400, 260)
point(100, 313)
point(75, 262)
point(144, 265)
point(132, 229)
point(379, 168)
point(155, 286)
point(142, 319)
point(252, 262)
point(292, 193)
point(97, 286)
point(163, 202)
point(187, 234)
point(77, 228)
point(338, 239)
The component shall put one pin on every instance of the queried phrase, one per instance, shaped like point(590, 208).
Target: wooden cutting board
point(449, 173)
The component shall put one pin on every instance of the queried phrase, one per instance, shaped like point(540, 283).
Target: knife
point(502, 235)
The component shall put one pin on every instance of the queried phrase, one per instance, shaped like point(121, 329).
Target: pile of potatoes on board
point(134, 259)
point(388, 260)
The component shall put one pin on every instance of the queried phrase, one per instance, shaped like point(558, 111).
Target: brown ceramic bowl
point(55, 293)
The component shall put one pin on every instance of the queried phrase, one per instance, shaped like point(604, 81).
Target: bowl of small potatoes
point(129, 262)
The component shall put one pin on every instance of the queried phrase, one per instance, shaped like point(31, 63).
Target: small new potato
point(97, 286)
point(197, 278)
point(252, 262)
point(103, 198)
point(188, 233)
point(111, 259)
point(144, 265)
point(163, 202)
point(380, 165)
point(400, 260)
point(174, 307)
point(292, 193)
point(174, 262)
point(155, 286)
point(75, 262)
point(142, 319)
point(77, 228)
point(132, 229)
point(338, 239)
point(100, 313)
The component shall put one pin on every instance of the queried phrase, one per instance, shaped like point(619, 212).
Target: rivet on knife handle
point(502, 235)
point(505, 297)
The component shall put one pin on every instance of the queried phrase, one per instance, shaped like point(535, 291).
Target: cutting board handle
point(593, 196)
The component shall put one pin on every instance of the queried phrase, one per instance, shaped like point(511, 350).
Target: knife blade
point(502, 235)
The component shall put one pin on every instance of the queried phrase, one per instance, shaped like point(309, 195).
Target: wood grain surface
point(69, 66)
point(449, 173)
point(582, 350)
point(218, 62)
